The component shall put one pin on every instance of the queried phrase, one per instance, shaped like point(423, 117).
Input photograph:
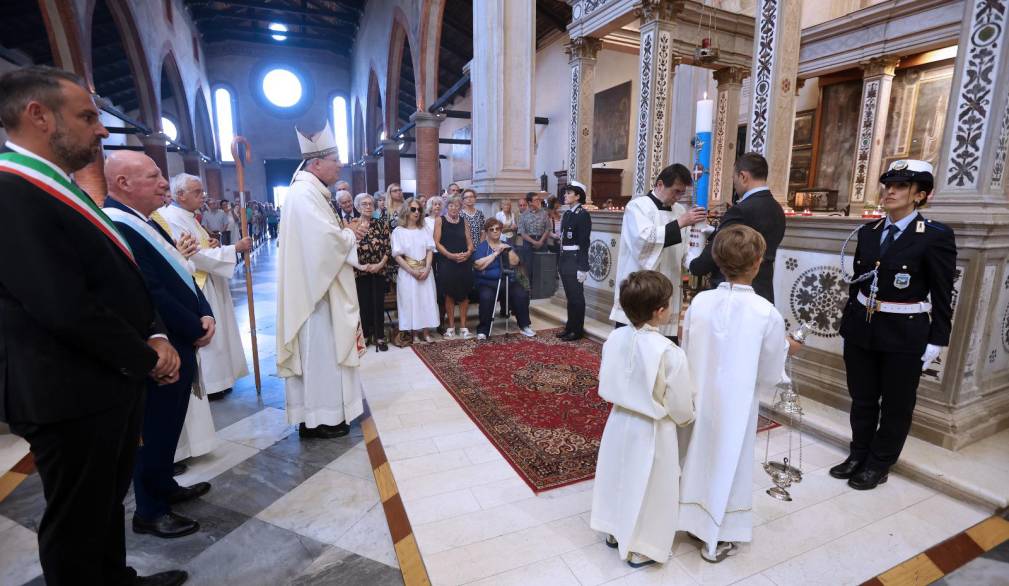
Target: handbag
point(399, 338)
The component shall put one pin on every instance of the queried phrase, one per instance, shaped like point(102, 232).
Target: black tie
point(891, 231)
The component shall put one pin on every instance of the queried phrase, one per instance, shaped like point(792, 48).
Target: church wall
point(271, 133)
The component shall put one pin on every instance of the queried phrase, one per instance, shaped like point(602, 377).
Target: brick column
point(371, 174)
point(390, 161)
point(582, 53)
point(357, 179)
point(428, 164)
point(92, 179)
point(155, 149)
point(775, 68)
point(213, 184)
point(192, 164)
point(723, 152)
point(872, 119)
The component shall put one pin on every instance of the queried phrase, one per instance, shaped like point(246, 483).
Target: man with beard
point(136, 190)
point(75, 354)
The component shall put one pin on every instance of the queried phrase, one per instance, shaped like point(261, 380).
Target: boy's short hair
point(642, 293)
point(736, 248)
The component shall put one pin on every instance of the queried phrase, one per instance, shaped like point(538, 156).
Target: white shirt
point(752, 191)
point(901, 224)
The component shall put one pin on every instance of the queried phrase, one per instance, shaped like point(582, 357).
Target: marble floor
point(285, 511)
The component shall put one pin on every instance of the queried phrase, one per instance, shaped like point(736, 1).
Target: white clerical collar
point(23, 151)
point(180, 208)
point(752, 191)
point(144, 216)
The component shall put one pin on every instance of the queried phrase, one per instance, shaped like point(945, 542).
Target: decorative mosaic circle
point(791, 263)
point(556, 379)
point(986, 34)
point(817, 299)
point(599, 260)
point(1005, 328)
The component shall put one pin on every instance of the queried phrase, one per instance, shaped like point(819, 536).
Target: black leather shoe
point(179, 469)
point(219, 395)
point(572, 336)
point(188, 493)
point(846, 469)
point(561, 334)
point(169, 578)
point(320, 432)
point(338, 430)
point(867, 479)
point(383, 346)
point(167, 526)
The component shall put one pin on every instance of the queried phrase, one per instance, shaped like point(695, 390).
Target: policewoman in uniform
point(896, 321)
point(576, 225)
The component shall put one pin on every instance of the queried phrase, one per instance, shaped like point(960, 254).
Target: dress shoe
point(179, 469)
point(561, 334)
point(383, 346)
point(320, 432)
point(188, 493)
point(338, 430)
point(846, 469)
point(219, 395)
point(572, 336)
point(168, 526)
point(867, 479)
point(169, 578)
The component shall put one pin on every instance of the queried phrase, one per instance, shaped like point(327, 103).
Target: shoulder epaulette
point(936, 225)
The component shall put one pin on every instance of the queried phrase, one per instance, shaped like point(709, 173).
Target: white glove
point(931, 353)
point(582, 275)
point(708, 229)
point(692, 254)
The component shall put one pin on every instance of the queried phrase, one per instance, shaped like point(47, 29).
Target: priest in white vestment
point(736, 346)
point(645, 376)
point(319, 339)
point(223, 361)
point(653, 236)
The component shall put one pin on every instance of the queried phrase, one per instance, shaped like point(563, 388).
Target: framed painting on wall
point(462, 155)
point(611, 124)
point(802, 132)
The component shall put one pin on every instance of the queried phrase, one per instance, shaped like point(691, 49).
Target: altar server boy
point(736, 345)
point(645, 376)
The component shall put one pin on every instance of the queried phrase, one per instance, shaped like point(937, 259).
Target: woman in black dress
point(455, 271)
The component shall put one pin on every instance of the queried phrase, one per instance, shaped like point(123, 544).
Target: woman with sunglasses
point(454, 242)
point(493, 258)
point(413, 248)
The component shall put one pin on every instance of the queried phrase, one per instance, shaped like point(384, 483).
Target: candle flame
point(705, 95)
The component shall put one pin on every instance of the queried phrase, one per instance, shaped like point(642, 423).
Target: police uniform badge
point(899, 165)
point(901, 280)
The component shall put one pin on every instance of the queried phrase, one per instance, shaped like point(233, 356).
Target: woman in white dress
point(432, 211)
point(412, 247)
point(508, 220)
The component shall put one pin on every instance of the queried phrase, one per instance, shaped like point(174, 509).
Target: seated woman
point(492, 261)
point(415, 292)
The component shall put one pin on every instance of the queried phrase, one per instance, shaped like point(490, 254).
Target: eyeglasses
point(414, 209)
point(395, 190)
point(495, 229)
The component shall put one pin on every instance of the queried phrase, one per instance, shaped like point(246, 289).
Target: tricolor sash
point(167, 251)
point(43, 176)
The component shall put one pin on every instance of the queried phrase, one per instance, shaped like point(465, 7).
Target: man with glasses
point(319, 337)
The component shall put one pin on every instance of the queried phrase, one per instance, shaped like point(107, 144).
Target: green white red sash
point(49, 180)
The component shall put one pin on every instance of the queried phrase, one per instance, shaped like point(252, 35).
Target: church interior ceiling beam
point(349, 9)
point(213, 18)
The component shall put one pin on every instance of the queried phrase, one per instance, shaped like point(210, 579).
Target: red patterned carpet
point(535, 399)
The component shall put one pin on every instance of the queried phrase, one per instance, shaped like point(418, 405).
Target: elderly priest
point(319, 339)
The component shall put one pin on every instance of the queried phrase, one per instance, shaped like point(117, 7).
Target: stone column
point(582, 53)
point(502, 75)
point(371, 174)
point(155, 148)
point(872, 119)
point(723, 152)
point(428, 164)
point(390, 161)
point(656, 66)
point(972, 170)
point(775, 67)
point(192, 164)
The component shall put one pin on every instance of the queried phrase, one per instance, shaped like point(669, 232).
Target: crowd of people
point(223, 220)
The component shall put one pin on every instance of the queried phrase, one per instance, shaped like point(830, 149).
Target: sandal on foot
point(723, 550)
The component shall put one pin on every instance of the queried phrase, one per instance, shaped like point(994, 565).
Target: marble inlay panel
point(997, 358)
point(26, 503)
point(370, 538)
point(809, 288)
point(339, 566)
point(258, 482)
point(149, 554)
point(259, 430)
point(19, 555)
point(12, 449)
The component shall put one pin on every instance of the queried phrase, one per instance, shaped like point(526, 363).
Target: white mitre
point(319, 145)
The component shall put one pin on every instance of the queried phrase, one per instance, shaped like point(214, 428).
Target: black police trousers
point(574, 291)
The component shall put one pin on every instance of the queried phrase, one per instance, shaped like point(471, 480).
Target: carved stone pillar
point(390, 161)
point(656, 67)
point(775, 67)
point(502, 74)
point(155, 148)
point(876, 85)
point(428, 163)
point(371, 174)
point(582, 53)
point(723, 152)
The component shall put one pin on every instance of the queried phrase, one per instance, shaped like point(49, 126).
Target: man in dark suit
point(136, 190)
point(757, 209)
point(79, 333)
point(345, 207)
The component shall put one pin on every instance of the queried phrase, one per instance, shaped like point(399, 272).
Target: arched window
point(169, 128)
point(341, 127)
point(225, 115)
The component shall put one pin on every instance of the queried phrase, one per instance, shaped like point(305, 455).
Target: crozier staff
point(896, 321)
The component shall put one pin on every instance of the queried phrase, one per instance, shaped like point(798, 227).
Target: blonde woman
point(413, 249)
point(393, 203)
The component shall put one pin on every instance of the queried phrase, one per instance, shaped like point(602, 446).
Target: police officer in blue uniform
point(896, 321)
point(576, 225)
